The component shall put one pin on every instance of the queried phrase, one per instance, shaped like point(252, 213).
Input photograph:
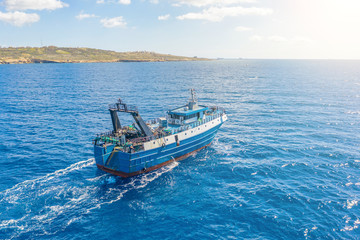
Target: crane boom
point(123, 107)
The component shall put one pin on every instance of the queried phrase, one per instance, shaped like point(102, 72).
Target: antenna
point(193, 100)
point(193, 95)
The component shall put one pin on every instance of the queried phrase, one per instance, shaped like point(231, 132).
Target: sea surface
point(286, 165)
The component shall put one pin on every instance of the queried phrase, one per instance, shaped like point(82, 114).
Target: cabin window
point(190, 116)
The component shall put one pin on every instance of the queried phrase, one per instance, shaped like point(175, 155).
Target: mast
point(193, 99)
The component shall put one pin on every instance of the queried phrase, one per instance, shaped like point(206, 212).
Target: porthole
point(154, 142)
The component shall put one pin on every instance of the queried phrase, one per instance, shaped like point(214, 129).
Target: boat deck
point(159, 132)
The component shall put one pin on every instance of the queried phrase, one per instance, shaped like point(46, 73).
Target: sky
point(270, 29)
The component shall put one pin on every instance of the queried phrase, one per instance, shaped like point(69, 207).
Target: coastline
point(52, 54)
point(36, 61)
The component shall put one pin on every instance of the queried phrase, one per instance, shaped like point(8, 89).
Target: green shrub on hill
point(57, 54)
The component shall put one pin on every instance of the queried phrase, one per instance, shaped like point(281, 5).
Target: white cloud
point(34, 4)
point(216, 14)
point(113, 22)
point(301, 39)
point(256, 38)
point(19, 18)
point(277, 39)
point(164, 17)
point(82, 16)
point(273, 38)
point(202, 3)
point(125, 2)
point(242, 29)
point(281, 39)
point(154, 1)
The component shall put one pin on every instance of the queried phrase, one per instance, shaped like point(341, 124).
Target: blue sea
point(286, 165)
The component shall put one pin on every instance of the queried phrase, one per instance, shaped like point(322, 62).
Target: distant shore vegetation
point(52, 54)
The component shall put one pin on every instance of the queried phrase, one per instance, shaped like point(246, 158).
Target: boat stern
point(108, 156)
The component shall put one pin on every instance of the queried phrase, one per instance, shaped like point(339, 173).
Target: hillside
point(51, 54)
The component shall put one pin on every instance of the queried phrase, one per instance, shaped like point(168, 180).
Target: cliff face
point(79, 55)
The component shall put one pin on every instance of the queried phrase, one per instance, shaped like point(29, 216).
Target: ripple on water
point(284, 166)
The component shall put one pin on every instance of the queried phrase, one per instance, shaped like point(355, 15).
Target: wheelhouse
point(186, 114)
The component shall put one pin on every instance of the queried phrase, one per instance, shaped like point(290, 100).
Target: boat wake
point(55, 201)
point(222, 148)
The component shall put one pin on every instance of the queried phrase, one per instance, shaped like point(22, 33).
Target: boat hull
point(126, 175)
point(131, 164)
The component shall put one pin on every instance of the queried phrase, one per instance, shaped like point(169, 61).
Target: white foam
point(111, 180)
point(136, 183)
point(306, 232)
point(353, 112)
point(72, 220)
point(222, 147)
point(348, 184)
point(73, 167)
point(95, 179)
point(352, 203)
point(12, 223)
point(347, 228)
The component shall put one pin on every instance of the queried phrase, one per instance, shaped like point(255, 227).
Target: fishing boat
point(145, 146)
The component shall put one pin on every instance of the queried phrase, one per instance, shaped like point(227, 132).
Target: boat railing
point(182, 128)
point(153, 121)
point(211, 116)
point(175, 121)
point(106, 139)
point(142, 139)
point(106, 134)
point(178, 130)
point(197, 123)
point(217, 108)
